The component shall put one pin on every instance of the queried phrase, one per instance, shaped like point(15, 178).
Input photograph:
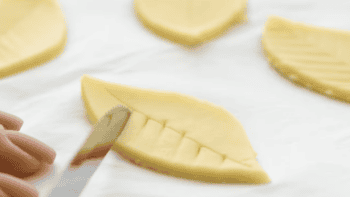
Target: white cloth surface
point(302, 138)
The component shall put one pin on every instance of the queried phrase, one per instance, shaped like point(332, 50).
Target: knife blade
point(85, 162)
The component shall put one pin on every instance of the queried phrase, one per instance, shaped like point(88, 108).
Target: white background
point(302, 138)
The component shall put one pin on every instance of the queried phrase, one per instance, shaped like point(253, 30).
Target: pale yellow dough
point(190, 22)
point(177, 134)
point(315, 57)
point(32, 32)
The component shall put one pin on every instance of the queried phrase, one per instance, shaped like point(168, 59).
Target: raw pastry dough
point(31, 32)
point(315, 57)
point(190, 22)
point(177, 134)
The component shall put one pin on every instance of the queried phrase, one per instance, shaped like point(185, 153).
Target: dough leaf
point(190, 22)
point(32, 32)
point(177, 134)
point(314, 57)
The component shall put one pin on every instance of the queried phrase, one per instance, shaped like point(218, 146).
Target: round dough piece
point(177, 134)
point(190, 22)
point(32, 32)
point(313, 57)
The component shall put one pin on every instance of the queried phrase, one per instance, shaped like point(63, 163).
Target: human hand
point(20, 156)
point(10, 122)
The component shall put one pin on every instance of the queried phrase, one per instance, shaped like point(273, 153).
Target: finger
point(3, 194)
point(32, 146)
point(16, 156)
point(16, 168)
point(10, 122)
point(16, 187)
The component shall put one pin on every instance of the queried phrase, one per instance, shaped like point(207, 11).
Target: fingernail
point(35, 163)
point(52, 155)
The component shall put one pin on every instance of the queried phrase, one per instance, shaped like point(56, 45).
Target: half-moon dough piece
point(32, 32)
point(190, 22)
point(315, 57)
point(177, 134)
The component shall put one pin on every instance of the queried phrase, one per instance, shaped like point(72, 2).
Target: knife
point(76, 175)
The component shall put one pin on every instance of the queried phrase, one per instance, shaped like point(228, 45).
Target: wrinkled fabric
point(302, 138)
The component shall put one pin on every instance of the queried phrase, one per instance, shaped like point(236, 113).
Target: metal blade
point(78, 172)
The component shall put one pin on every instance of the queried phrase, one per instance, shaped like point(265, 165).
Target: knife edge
point(85, 162)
